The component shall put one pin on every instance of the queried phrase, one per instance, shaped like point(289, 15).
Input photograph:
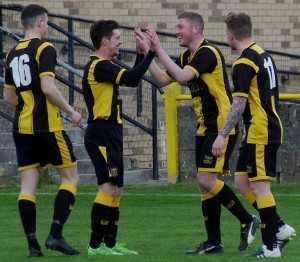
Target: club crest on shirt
point(113, 172)
point(194, 87)
point(208, 159)
point(249, 169)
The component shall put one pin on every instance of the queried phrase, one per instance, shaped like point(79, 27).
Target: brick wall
point(276, 22)
point(276, 26)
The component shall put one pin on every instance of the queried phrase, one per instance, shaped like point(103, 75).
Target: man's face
point(184, 32)
point(43, 25)
point(230, 39)
point(114, 43)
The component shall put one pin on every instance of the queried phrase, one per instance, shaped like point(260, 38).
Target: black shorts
point(103, 141)
point(42, 149)
point(206, 161)
point(257, 161)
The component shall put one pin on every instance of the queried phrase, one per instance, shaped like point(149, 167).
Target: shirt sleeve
point(9, 82)
point(106, 71)
point(242, 75)
point(133, 76)
point(139, 58)
point(204, 61)
point(47, 61)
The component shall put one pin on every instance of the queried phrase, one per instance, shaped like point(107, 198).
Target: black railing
point(72, 87)
point(74, 41)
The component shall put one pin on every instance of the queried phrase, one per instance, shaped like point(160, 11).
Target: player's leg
point(211, 208)
point(110, 238)
point(249, 223)
point(224, 194)
point(100, 218)
point(28, 163)
point(248, 231)
point(261, 168)
point(99, 145)
point(211, 211)
point(27, 209)
point(60, 153)
point(116, 173)
point(284, 231)
point(267, 210)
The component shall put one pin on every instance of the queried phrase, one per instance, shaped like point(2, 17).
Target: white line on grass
point(138, 194)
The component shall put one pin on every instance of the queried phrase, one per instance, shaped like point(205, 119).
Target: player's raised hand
point(142, 46)
point(153, 38)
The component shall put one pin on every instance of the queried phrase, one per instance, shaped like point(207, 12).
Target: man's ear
point(104, 41)
point(39, 22)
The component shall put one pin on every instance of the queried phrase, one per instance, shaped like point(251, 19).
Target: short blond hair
point(194, 18)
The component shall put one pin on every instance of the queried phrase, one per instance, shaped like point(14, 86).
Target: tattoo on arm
point(236, 110)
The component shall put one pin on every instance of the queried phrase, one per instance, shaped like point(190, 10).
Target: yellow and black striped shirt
point(100, 86)
point(210, 92)
point(25, 64)
point(255, 77)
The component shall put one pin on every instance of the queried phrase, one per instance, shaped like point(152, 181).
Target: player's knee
point(29, 181)
point(239, 187)
point(204, 180)
point(118, 192)
point(201, 180)
point(75, 179)
point(256, 188)
point(28, 191)
point(69, 176)
point(241, 184)
point(260, 188)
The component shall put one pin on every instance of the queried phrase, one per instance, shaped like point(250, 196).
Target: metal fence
point(70, 36)
point(139, 105)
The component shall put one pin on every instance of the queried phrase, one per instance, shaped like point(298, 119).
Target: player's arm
point(234, 115)
point(9, 92)
point(241, 77)
point(236, 110)
point(139, 58)
point(181, 75)
point(107, 71)
point(133, 76)
point(9, 95)
point(243, 72)
point(52, 93)
point(47, 61)
point(158, 75)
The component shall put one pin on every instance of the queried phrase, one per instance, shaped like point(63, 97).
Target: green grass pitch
point(158, 221)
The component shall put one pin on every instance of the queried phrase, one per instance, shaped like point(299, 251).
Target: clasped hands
point(142, 45)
